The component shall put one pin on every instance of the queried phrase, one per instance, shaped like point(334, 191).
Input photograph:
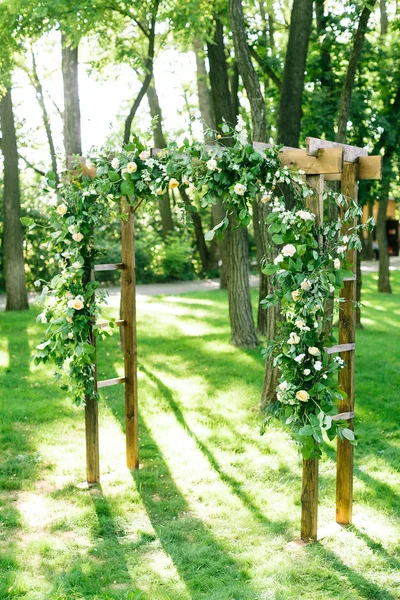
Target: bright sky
point(103, 97)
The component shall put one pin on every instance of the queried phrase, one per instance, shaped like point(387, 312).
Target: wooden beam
point(370, 167)
point(347, 330)
point(350, 153)
point(128, 305)
point(109, 267)
point(309, 494)
point(341, 347)
point(108, 382)
point(329, 160)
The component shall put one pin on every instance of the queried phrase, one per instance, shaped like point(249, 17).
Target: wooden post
point(92, 414)
point(128, 304)
point(347, 331)
point(309, 493)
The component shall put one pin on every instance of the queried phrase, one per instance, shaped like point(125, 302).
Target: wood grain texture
point(329, 160)
point(309, 500)
point(92, 412)
point(108, 382)
point(350, 153)
point(370, 167)
point(344, 477)
point(128, 305)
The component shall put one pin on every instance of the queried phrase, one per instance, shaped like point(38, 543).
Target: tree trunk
point(289, 117)
point(45, 116)
point(384, 17)
point(326, 73)
point(347, 90)
point(203, 91)
point(13, 237)
point(72, 111)
point(240, 311)
point(235, 252)
point(247, 71)
point(202, 247)
point(381, 236)
point(368, 246)
point(164, 203)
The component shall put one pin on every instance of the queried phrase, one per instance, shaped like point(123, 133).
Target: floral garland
point(304, 274)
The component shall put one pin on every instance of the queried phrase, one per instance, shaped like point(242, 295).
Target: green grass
point(210, 512)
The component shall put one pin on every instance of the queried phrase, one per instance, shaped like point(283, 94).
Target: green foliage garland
point(305, 273)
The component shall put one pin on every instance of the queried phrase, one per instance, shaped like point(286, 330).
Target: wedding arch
point(239, 174)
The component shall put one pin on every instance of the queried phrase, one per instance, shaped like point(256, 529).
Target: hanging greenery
point(305, 273)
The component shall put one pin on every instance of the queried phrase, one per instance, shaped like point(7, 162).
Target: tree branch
point(266, 68)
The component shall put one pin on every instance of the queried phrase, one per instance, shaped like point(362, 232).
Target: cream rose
point(77, 237)
point(131, 167)
point(144, 155)
point(314, 351)
point(278, 259)
point(299, 358)
point(305, 285)
point(76, 303)
point(173, 183)
point(306, 372)
point(160, 191)
point(305, 215)
point(288, 250)
point(318, 365)
point(115, 163)
point(302, 395)
point(283, 386)
point(336, 263)
point(61, 209)
point(296, 295)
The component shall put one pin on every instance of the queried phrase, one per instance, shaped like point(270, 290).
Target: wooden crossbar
point(108, 382)
point(109, 267)
point(350, 153)
point(103, 324)
point(341, 348)
point(344, 416)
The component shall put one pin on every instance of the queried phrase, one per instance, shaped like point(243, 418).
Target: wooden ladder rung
point(340, 348)
point(109, 267)
point(345, 416)
point(107, 382)
point(102, 324)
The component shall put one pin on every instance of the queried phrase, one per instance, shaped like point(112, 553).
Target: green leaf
point(269, 269)
point(113, 176)
point(43, 345)
point(127, 188)
point(209, 235)
point(277, 239)
point(348, 434)
point(28, 222)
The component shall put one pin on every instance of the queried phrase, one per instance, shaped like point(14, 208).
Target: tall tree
point(72, 111)
point(13, 239)
point(164, 204)
point(289, 116)
point(236, 248)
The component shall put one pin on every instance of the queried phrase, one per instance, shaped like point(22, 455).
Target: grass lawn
point(209, 514)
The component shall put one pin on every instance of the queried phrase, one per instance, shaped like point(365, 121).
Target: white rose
point(212, 164)
point(283, 386)
point(131, 167)
point(115, 163)
point(332, 289)
point(299, 358)
point(288, 250)
point(318, 365)
point(279, 396)
point(240, 124)
point(239, 189)
point(305, 215)
point(306, 372)
point(345, 239)
point(306, 284)
point(314, 351)
point(299, 323)
point(265, 198)
point(341, 249)
point(336, 263)
point(77, 237)
point(144, 155)
point(76, 265)
point(294, 338)
point(278, 259)
point(71, 335)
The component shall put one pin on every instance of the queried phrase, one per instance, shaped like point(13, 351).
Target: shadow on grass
point(103, 570)
point(235, 486)
point(376, 547)
point(365, 588)
point(202, 562)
